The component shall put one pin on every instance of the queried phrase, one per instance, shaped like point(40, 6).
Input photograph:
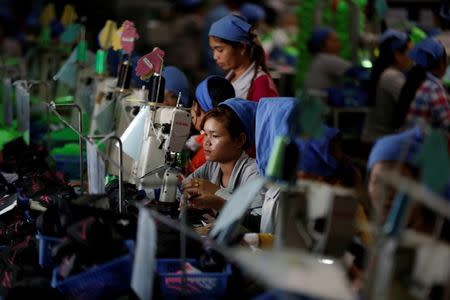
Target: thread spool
point(156, 88)
point(123, 82)
point(100, 62)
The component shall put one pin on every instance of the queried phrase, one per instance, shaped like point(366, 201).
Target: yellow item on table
point(266, 240)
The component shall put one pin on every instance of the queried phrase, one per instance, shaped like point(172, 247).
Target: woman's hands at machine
point(199, 193)
point(197, 184)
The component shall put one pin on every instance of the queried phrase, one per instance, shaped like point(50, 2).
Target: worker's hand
point(198, 184)
point(204, 200)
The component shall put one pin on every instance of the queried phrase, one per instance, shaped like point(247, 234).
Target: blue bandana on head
point(401, 147)
point(317, 39)
point(398, 38)
point(177, 82)
point(202, 94)
point(246, 111)
point(231, 28)
point(315, 154)
point(252, 12)
point(273, 118)
point(427, 53)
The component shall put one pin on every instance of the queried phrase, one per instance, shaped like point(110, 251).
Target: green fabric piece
point(64, 99)
point(65, 134)
point(434, 161)
point(68, 149)
point(12, 61)
point(110, 178)
point(8, 135)
point(417, 35)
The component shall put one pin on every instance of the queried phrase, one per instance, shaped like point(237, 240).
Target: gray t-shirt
point(380, 120)
point(270, 210)
point(325, 71)
point(244, 170)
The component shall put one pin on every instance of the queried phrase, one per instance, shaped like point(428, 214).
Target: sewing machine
point(165, 133)
point(300, 208)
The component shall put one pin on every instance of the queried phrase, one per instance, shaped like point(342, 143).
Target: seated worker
point(398, 152)
point(326, 68)
point(209, 93)
point(320, 159)
point(229, 130)
point(392, 152)
point(386, 82)
point(176, 82)
point(237, 50)
point(431, 103)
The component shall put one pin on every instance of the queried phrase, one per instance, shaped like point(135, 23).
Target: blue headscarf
point(177, 82)
point(398, 38)
point(273, 118)
point(317, 39)
point(401, 147)
point(246, 111)
point(231, 28)
point(252, 12)
point(315, 154)
point(427, 53)
point(202, 94)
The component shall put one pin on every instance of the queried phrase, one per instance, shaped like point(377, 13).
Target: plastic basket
point(45, 247)
point(204, 285)
point(100, 281)
point(68, 164)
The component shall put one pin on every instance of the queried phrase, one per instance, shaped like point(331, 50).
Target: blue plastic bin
point(199, 286)
point(45, 246)
point(102, 281)
point(68, 164)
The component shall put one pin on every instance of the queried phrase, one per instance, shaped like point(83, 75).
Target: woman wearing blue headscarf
point(236, 49)
point(209, 93)
point(175, 82)
point(321, 159)
point(395, 151)
point(229, 130)
point(326, 68)
point(430, 104)
point(386, 81)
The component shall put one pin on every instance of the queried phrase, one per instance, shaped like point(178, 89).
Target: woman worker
point(386, 82)
point(321, 159)
point(430, 104)
point(236, 49)
point(175, 82)
point(326, 68)
point(209, 93)
point(229, 130)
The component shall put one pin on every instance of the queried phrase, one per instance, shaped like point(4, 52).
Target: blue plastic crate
point(45, 247)
point(100, 281)
point(199, 286)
